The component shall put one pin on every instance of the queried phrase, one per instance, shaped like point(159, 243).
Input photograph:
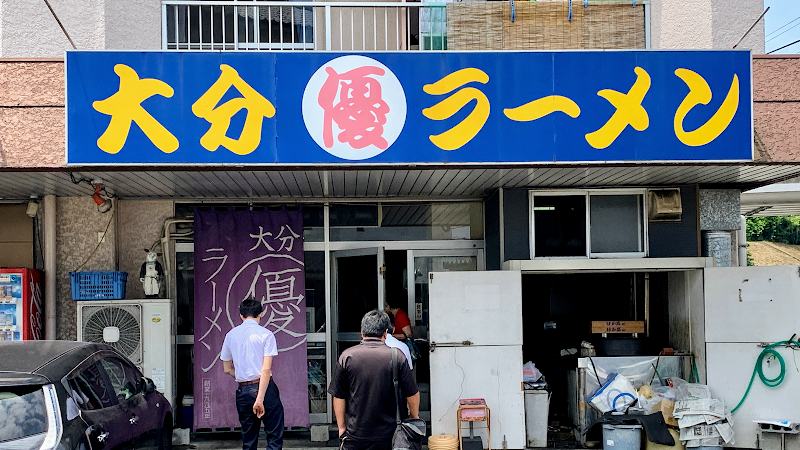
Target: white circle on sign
point(354, 107)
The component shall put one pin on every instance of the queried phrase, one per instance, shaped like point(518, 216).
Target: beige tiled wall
point(136, 226)
point(77, 225)
point(140, 225)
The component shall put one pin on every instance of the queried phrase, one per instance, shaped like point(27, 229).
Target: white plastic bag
point(530, 374)
point(665, 392)
point(615, 395)
point(648, 403)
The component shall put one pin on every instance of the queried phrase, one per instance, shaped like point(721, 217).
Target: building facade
point(376, 231)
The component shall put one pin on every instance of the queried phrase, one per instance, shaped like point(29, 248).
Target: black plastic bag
point(409, 435)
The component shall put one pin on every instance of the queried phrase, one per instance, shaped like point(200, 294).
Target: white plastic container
point(537, 408)
point(622, 437)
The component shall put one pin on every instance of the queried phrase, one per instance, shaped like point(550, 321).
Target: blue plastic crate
point(98, 285)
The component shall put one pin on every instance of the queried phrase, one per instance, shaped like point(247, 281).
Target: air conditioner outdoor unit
point(139, 329)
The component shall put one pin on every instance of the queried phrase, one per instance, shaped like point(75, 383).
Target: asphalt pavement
point(233, 441)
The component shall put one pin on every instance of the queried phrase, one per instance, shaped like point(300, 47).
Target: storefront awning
point(298, 184)
point(782, 199)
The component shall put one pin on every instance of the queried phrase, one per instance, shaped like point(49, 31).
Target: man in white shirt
point(392, 341)
point(247, 356)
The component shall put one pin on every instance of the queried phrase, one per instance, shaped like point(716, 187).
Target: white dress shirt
point(247, 345)
point(392, 341)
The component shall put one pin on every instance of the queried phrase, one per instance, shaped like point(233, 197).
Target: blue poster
point(299, 108)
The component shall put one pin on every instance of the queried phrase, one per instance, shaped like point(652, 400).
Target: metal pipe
point(50, 266)
point(164, 33)
point(328, 304)
point(742, 241)
point(647, 303)
point(165, 248)
point(751, 27)
point(502, 226)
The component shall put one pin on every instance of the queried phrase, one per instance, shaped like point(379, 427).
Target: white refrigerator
point(476, 342)
point(745, 307)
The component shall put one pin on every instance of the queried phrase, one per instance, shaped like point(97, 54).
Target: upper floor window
point(588, 223)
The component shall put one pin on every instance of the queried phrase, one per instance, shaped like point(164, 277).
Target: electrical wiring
point(781, 48)
point(102, 239)
point(783, 26)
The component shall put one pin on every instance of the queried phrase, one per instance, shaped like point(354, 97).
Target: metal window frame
point(588, 193)
point(454, 247)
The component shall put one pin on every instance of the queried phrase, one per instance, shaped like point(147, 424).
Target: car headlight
point(54, 425)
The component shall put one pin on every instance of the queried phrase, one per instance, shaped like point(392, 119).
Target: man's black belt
point(248, 383)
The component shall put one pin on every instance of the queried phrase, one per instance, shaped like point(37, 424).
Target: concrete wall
point(731, 19)
point(706, 24)
point(132, 24)
point(77, 225)
point(680, 24)
point(140, 225)
point(29, 30)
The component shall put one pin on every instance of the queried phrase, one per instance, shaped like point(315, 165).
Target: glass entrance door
point(358, 287)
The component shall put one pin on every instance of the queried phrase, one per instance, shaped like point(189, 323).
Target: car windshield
point(22, 412)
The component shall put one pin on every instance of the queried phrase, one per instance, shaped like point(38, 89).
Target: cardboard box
point(666, 407)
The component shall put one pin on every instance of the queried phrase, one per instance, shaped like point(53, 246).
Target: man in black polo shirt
point(363, 392)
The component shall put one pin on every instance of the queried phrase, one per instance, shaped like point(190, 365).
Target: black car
point(64, 395)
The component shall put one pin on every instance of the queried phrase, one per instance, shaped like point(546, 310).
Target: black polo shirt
point(363, 378)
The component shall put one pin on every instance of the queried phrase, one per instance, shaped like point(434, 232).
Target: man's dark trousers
point(348, 443)
point(251, 424)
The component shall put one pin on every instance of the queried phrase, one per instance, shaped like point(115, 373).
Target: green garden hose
point(759, 368)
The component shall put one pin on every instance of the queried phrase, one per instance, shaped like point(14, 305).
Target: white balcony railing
point(302, 25)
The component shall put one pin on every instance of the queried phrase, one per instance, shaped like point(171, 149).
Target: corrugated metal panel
point(380, 183)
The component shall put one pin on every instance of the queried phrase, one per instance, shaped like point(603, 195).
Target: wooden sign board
point(617, 326)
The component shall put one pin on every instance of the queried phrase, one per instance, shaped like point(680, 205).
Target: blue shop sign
point(173, 108)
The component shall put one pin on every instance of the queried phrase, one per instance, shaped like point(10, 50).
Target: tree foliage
point(784, 229)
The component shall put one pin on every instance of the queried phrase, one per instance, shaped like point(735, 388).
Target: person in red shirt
point(402, 323)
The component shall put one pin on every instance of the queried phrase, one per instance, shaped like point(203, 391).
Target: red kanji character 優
point(360, 112)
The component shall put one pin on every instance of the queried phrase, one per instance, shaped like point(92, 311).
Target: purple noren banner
point(239, 254)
